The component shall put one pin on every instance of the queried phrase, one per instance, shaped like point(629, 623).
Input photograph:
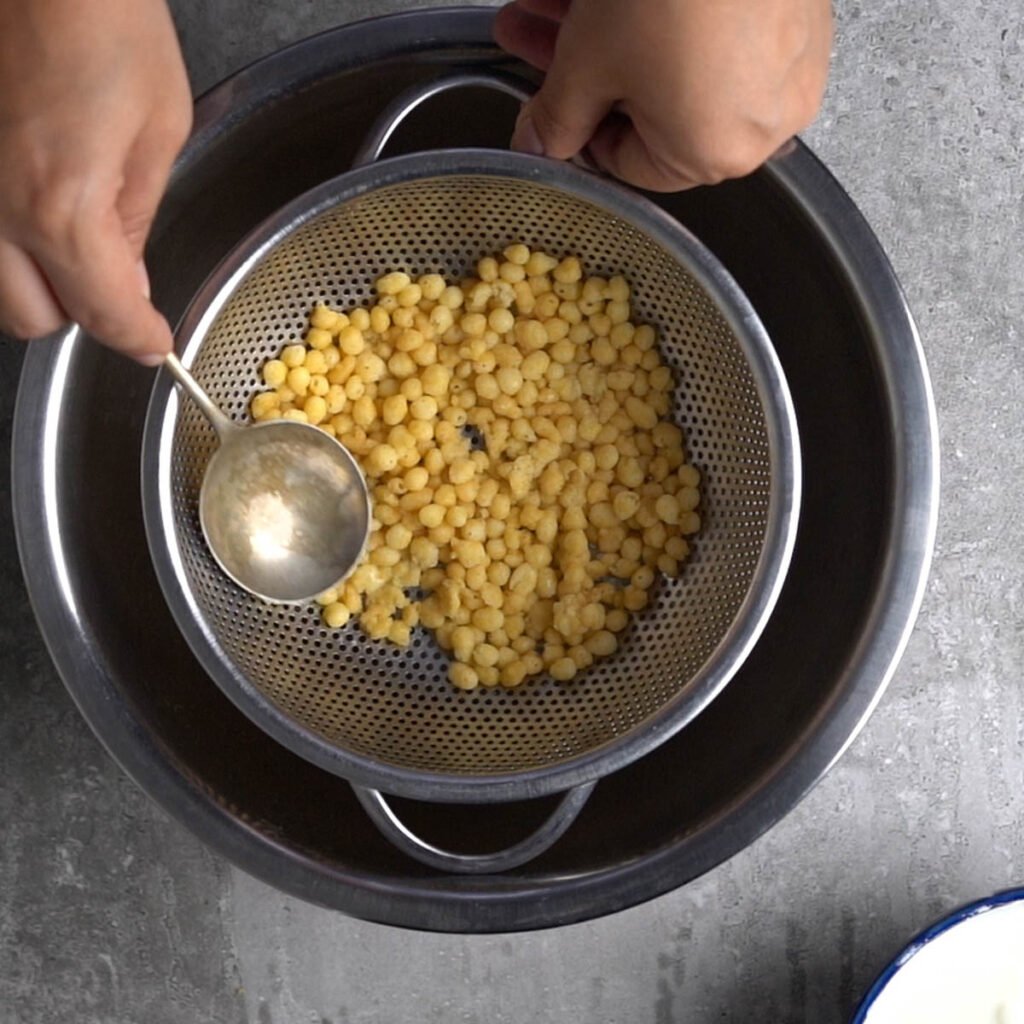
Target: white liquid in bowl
point(973, 973)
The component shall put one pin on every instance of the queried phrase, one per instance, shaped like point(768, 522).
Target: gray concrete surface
point(110, 913)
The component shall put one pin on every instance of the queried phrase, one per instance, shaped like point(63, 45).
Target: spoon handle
point(221, 423)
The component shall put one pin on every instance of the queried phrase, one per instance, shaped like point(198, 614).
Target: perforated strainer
point(386, 718)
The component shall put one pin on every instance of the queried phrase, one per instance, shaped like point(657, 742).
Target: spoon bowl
point(283, 506)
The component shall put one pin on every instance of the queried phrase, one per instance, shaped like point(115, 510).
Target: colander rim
point(767, 578)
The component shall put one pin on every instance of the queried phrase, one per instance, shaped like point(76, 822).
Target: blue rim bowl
point(922, 939)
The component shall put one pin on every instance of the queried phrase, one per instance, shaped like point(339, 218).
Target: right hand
point(94, 106)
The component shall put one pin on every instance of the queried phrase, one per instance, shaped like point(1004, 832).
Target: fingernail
point(143, 278)
point(525, 138)
point(150, 358)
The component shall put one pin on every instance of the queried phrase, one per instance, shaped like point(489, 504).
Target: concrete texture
point(111, 913)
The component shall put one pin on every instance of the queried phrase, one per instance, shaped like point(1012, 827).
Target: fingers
point(80, 258)
point(92, 259)
point(576, 95)
point(92, 112)
point(553, 10)
point(146, 172)
point(526, 36)
point(93, 265)
point(29, 307)
point(96, 274)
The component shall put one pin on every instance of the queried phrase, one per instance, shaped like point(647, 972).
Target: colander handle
point(404, 104)
point(382, 814)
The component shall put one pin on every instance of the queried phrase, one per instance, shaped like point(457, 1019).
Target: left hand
point(667, 94)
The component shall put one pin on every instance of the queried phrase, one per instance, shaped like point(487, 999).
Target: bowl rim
point(927, 935)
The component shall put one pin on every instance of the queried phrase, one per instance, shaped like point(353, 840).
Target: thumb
point(561, 118)
point(620, 150)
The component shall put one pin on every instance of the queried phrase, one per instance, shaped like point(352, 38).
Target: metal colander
point(387, 717)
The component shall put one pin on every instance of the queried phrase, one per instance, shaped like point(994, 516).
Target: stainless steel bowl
point(383, 717)
point(810, 265)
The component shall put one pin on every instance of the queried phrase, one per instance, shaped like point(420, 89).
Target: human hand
point(94, 106)
point(667, 94)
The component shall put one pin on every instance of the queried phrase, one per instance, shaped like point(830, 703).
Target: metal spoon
point(284, 507)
